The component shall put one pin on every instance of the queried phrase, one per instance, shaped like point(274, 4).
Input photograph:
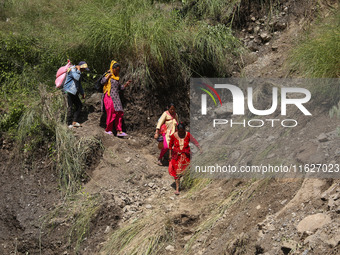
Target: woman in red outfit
point(180, 153)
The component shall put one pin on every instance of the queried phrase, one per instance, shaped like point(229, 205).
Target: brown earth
point(126, 188)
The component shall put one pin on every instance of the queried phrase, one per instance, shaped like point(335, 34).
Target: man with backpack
point(72, 88)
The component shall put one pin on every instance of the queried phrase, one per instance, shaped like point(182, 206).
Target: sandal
point(76, 124)
point(159, 163)
point(109, 132)
point(177, 193)
point(122, 134)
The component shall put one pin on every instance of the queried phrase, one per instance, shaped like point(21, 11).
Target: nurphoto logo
point(283, 96)
point(246, 124)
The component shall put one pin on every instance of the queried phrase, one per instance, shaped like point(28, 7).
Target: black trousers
point(73, 100)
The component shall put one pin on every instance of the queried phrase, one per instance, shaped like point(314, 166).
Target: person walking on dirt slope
point(180, 154)
point(111, 99)
point(166, 126)
point(72, 88)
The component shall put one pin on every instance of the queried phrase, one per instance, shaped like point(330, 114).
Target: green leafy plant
point(10, 119)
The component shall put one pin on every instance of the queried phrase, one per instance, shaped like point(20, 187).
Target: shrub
point(10, 119)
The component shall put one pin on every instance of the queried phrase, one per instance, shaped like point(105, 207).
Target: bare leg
point(177, 186)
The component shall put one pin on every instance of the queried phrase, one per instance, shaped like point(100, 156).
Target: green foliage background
point(158, 47)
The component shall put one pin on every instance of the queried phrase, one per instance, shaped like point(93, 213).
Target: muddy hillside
point(82, 191)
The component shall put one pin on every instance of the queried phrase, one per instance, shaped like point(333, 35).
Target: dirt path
point(128, 195)
point(208, 217)
point(228, 216)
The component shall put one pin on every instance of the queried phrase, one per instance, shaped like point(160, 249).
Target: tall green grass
point(317, 55)
point(158, 48)
point(217, 10)
point(233, 13)
point(140, 237)
point(155, 45)
point(42, 124)
point(51, 22)
point(71, 154)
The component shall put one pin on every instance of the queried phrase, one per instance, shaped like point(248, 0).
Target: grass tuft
point(317, 56)
point(77, 214)
point(142, 236)
point(43, 123)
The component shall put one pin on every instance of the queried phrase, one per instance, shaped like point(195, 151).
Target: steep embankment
point(127, 203)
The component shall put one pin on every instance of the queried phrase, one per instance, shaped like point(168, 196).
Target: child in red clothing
point(180, 153)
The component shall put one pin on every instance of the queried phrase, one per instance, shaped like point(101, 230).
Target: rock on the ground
point(265, 37)
point(95, 101)
point(322, 138)
point(107, 230)
point(333, 241)
point(151, 185)
point(170, 248)
point(279, 26)
point(289, 245)
point(313, 222)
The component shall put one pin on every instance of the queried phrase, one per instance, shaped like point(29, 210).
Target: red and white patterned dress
point(181, 154)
